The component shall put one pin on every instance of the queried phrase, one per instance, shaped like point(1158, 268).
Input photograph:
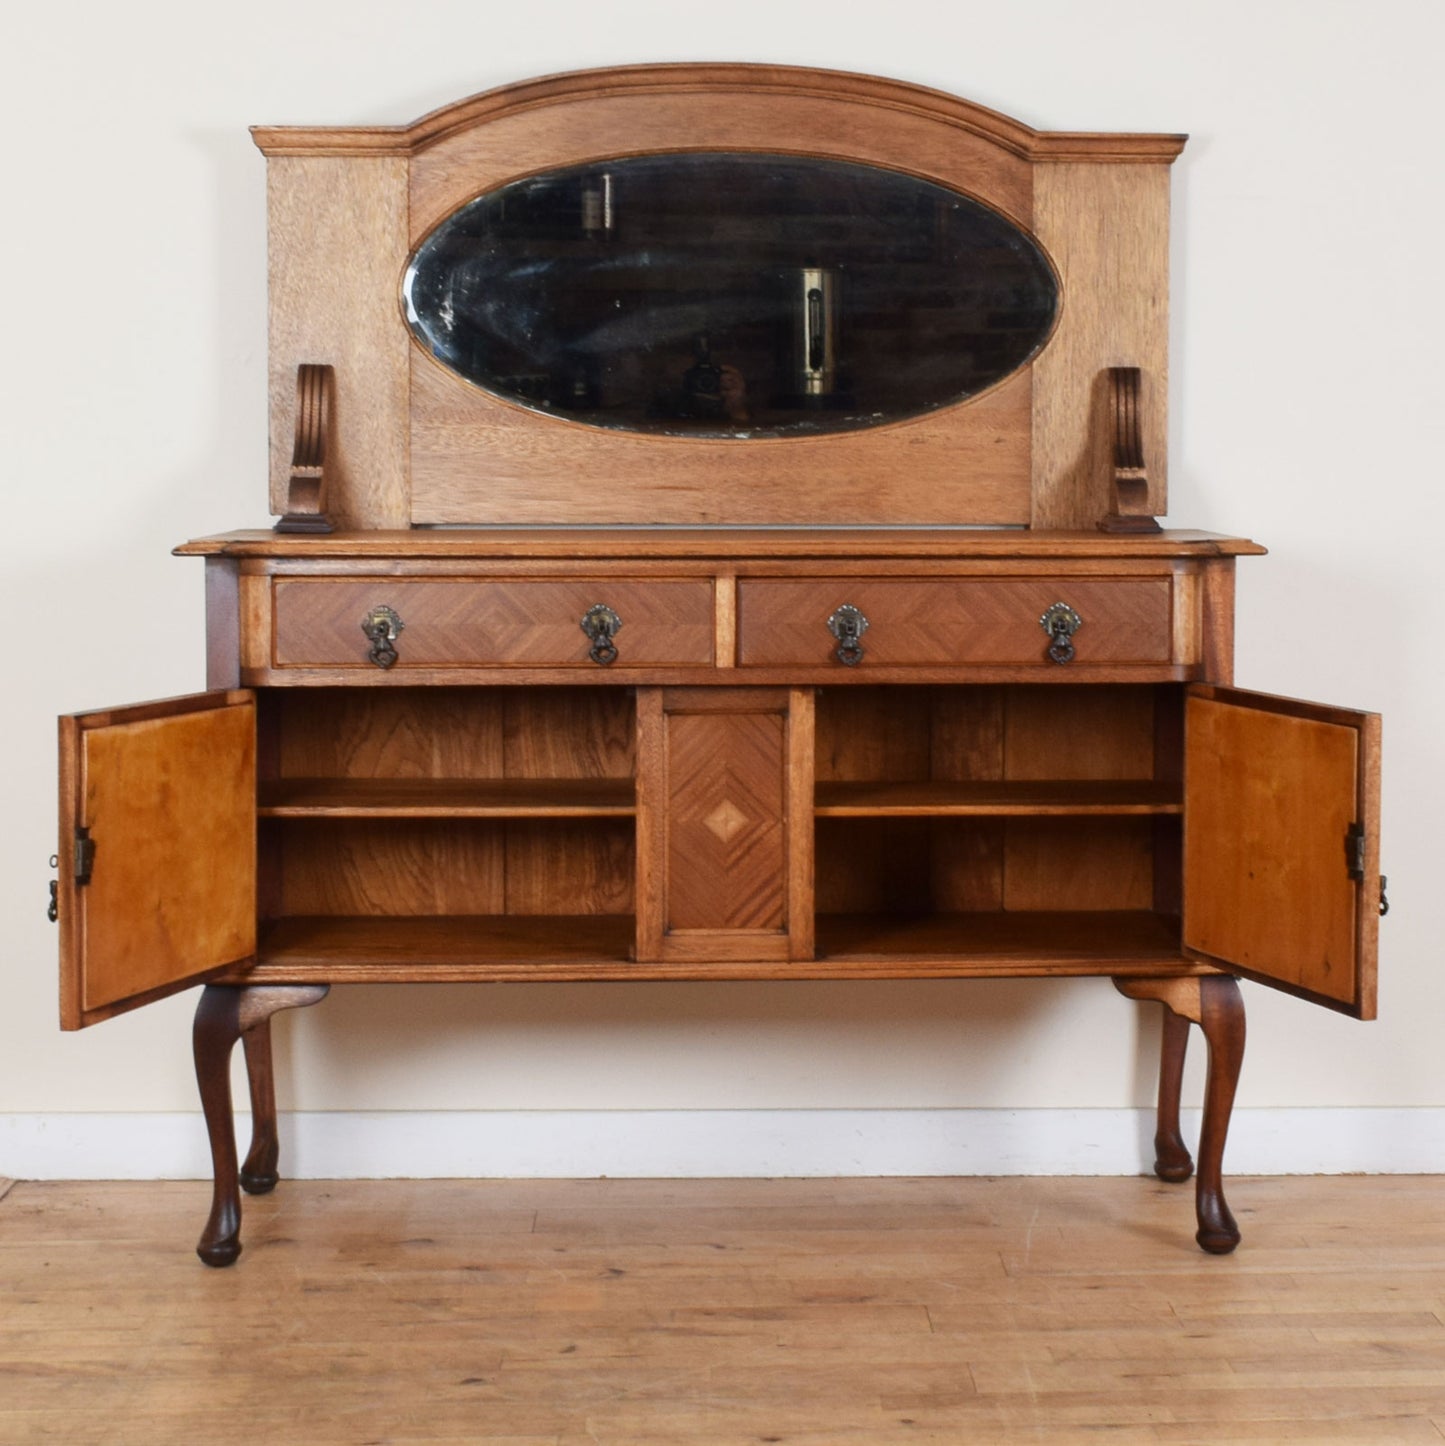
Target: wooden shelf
point(454, 949)
point(447, 798)
point(350, 949)
point(444, 946)
point(994, 799)
point(1103, 942)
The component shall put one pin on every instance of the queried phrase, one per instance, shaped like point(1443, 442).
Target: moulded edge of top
point(594, 544)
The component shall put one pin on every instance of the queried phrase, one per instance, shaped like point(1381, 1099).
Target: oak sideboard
point(718, 540)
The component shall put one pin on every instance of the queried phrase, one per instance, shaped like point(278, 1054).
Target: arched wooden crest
point(646, 82)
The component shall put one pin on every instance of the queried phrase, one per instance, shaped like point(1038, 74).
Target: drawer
point(941, 622)
point(472, 622)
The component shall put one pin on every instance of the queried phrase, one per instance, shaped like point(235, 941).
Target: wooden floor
point(663, 1312)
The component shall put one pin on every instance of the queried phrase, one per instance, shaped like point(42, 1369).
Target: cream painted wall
point(1307, 386)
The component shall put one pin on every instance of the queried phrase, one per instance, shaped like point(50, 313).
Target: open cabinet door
point(1282, 843)
point(157, 850)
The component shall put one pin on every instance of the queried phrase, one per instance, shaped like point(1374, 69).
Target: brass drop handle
point(381, 625)
point(1061, 622)
point(848, 625)
point(601, 624)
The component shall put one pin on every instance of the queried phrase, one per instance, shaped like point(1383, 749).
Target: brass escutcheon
point(1061, 622)
point(601, 624)
point(381, 625)
point(848, 625)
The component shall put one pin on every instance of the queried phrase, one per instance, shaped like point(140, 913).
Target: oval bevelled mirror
point(730, 294)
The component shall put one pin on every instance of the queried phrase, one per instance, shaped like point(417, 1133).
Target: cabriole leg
point(1215, 1005)
point(1223, 1025)
point(226, 1013)
point(1172, 1161)
point(259, 1174)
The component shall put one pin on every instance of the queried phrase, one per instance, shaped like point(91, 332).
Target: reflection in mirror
point(730, 295)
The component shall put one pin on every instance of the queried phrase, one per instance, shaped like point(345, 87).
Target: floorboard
point(661, 1313)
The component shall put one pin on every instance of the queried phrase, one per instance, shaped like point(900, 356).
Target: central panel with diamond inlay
point(728, 843)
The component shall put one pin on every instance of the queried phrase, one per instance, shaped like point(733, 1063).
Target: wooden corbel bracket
point(1129, 487)
point(306, 491)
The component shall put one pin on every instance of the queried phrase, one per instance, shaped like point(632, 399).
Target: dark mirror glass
point(730, 295)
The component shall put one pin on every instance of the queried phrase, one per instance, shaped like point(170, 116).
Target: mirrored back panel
point(718, 294)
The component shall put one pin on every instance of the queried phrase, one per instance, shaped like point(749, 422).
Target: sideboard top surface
point(587, 543)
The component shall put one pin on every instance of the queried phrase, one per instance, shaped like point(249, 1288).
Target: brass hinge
point(84, 854)
point(1355, 851)
point(1355, 863)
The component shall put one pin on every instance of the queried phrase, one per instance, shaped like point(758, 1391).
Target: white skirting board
point(698, 1144)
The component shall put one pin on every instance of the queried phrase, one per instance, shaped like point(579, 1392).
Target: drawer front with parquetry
point(942, 622)
point(583, 622)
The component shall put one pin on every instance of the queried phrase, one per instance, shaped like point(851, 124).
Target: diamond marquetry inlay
point(725, 820)
point(726, 836)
